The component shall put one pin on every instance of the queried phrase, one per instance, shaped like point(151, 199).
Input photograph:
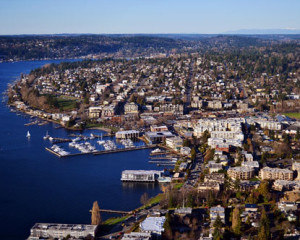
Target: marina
point(101, 152)
point(33, 184)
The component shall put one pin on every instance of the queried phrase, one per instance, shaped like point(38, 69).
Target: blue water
point(36, 186)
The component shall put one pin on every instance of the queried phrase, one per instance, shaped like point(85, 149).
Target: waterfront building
point(55, 230)
point(174, 142)
point(140, 175)
point(157, 137)
point(242, 173)
point(153, 225)
point(137, 236)
point(127, 134)
point(275, 174)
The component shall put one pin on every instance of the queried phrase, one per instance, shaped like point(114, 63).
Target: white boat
point(101, 142)
point(46, 136)
point(28, 134)
point(157, 150)
point(164, 179)
point(51, 138)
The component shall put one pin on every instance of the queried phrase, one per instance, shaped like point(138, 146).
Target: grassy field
point(293, 115)
point(66, 103)
point(113, 221)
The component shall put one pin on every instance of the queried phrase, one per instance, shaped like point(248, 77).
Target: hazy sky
point(145, 16)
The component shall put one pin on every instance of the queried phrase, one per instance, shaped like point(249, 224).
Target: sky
point(145, 16)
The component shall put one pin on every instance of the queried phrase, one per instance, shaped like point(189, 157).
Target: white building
point(215, 212)
point(275, 174)
point(154, 225)
point(55, 230)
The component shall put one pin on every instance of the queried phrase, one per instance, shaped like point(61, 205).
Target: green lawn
point(113, 221)
point(152, 201)
point(66, 103)
point(293, 115)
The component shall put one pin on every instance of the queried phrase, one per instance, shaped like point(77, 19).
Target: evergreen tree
point(264, 228)
point(236, 221)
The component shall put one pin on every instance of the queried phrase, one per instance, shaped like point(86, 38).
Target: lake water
point(37, 186)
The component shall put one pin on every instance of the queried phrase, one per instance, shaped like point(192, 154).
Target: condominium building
point(275, 174)
point(174, 143)
point(54, 230)
point(242, 173)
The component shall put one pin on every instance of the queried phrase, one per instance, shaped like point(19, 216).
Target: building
point(242, 173)
point(183, 211)
point(287, 185)
point(214, 167)
point(55, 230)
point(185, 151)
point(215, 211)
point(157, 137)
point(154, 128)
point(174, 109)
point(127, 134)
point(208, 186)
point(215, 104)
point(140, 175)
point(153, 225)
point(275, 174)
point(215, 177)
point(137, 236)
point(253, 164)
point(175, 143)
point(131, 108)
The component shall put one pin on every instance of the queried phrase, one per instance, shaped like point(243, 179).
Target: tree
point(217, 234)
point(144, 198)
point(264, 190)
point(236, 221)
point(264, 227)
point(193, 154)
point(298, 134)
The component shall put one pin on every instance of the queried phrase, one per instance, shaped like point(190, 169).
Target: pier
point(115, 211)
point(103, 151)
point(61, 140)
point(166, 163)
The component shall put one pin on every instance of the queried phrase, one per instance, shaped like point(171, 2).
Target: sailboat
point(46, 136)
point(28, 134)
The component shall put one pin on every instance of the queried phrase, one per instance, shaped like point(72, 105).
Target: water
point(36, 186)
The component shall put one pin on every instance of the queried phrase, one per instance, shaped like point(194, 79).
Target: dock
point(61, 140)
point(101, 152)
point(166, 163)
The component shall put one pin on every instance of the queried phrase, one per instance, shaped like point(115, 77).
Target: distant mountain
point(264, 31)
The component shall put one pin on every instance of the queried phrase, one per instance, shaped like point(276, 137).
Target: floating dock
point(103, 151)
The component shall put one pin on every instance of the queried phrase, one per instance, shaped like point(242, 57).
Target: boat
point(164, 179)
point(157, 151)
point(46, 136)
point(101, 142)
point(28, 134)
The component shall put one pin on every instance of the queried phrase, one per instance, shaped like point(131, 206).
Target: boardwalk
point(104, 151)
